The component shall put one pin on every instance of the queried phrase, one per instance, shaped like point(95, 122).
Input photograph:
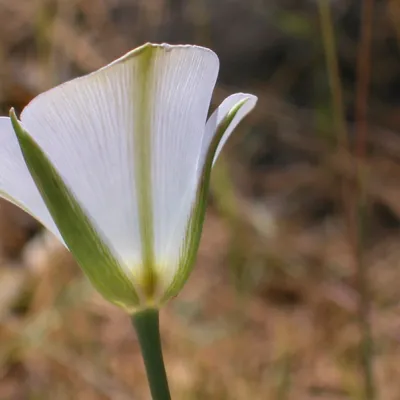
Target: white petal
point(16, 183)
point(88, 128)
point(182, 105)
point(188, 198)
point(216, 118)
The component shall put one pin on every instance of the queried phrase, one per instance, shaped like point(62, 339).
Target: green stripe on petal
point(142, 157)
point(195, 225)
point(78, 232)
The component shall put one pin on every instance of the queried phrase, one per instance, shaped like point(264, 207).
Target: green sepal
point(83, 240)
point(195, 225)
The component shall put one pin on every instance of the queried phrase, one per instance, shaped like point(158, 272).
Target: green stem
point(146, 324)
point(332, 64)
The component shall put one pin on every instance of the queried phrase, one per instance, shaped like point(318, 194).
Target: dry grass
point(295, 337)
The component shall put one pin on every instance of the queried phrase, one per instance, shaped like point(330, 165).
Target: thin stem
point(363, 80)
point(146, 324)
point(363, 77)
point(364, 306)
point(354, 198)
point(332, 66)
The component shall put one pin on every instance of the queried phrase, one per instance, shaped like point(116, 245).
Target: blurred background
point(295, 294)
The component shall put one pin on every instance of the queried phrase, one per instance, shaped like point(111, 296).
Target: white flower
point(120, 161)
